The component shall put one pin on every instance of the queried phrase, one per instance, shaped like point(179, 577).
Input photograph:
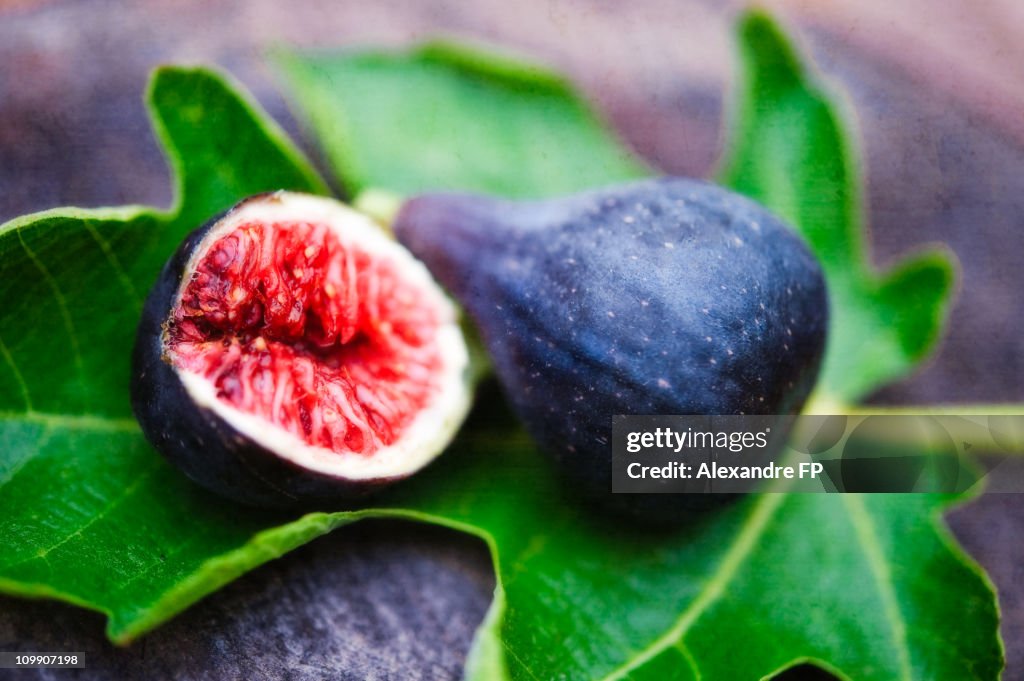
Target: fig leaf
point(792, 151)
point(445, 116)
point(88, 512)
point(869, 587)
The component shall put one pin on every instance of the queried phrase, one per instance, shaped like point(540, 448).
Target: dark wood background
point(938, 93)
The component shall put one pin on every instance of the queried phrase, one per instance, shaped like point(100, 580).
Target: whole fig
point(665, 296)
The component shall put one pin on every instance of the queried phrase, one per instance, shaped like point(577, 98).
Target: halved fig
point(291, 352)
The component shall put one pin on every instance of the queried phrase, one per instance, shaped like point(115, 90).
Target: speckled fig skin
point(198, 441)
point(666, 296)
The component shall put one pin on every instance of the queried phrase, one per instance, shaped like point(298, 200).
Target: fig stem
point(968, 423)
point(380, 205)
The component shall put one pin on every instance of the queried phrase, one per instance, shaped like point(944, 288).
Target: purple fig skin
point(664, 296)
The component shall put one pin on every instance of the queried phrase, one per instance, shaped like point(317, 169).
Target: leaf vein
point(746, 540)
point(868, 538)
point(62, 305)
point(115, 263)
point(103, 513)
point(94, 422)
point(19, 378)
point(512, 653)
point(684, 650)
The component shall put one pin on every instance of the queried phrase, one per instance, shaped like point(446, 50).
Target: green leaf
point(450, 117)
point(88, 512)
point(840, 581)
point(858, 584)
point(791, 152)
point(871, 587)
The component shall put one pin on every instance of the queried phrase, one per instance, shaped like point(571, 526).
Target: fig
point(663, 296)
point(292, 353)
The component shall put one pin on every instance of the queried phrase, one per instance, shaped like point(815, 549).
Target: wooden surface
point(937, 93)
